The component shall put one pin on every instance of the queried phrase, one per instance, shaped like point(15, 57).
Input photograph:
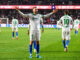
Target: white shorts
point(76, 27)
point(66, 33)
point(35, 35)
point(15, 29)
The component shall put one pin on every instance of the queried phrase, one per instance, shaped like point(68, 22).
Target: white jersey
point(66, 20)
point(37, 23)
point(76, 22)
point(14, 23)
point(34, 19)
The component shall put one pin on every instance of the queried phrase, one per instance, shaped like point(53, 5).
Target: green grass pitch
point(51, 47)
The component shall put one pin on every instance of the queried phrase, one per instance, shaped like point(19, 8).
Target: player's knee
point(31, 42)
point(37, 42)
point(63, 38)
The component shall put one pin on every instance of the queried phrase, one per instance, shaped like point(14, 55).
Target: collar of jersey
point(34, 14)
point(65, 15)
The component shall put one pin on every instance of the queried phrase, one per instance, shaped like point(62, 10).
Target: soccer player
point(34, 42)
point(14, 27)
point(0, 25)
point(34, 19)
point(65, 22)
point(76, 25)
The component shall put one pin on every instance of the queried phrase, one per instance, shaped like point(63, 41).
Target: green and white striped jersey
point(14, 22)
point(76, 22)
point(66, 20)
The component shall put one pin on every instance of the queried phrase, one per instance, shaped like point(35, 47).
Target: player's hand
point(54, 11)
point(17, 8)
point(28, 32)
point(70, 28)
point(42, 30)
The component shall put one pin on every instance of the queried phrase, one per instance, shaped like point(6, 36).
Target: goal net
point(4, 20)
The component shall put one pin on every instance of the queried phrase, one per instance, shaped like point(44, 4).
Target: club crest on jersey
point(34, 18)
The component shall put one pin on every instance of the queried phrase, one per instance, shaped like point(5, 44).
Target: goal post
point(4, 20)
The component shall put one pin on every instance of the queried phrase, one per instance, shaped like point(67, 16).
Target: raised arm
point(48, 15)
point(22, 14)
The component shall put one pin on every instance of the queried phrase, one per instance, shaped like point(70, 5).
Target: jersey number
point(66, 21)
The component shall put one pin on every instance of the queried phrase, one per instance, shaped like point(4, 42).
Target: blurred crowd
point(39, 2)
point(51, 20)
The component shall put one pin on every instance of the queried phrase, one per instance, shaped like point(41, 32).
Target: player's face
point(35, 10)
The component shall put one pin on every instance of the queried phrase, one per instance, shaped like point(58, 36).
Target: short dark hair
point(66, 11)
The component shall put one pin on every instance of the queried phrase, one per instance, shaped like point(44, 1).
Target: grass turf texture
point(51, 47)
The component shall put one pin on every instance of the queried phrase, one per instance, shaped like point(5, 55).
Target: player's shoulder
point(15, 19)
point(77, 19)
point(62, 17)
point(70, 17)
point(12, 19)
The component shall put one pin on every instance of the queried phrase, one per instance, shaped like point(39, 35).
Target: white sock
point(30, 54)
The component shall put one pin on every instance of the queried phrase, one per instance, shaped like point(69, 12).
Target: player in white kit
point(14, 27)
point(34, 42)
point(65, 22)
point(34, 19)
point(76, 25)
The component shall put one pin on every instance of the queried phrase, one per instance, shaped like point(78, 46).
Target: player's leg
point(38, 48)
point(34, 43)
point(67, 40)
point(38, 44)
point(30, 48)
point(32, 37)
point(63, 37)
point(76, 30)
point(16, 33)
point(13, 32)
